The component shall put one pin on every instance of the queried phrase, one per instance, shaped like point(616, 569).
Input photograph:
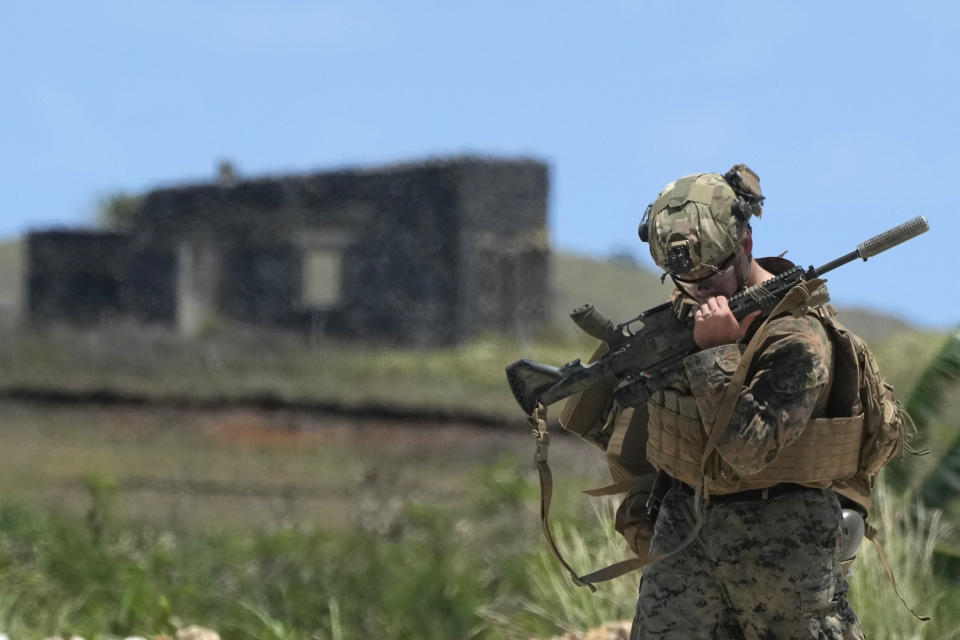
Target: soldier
point(752, 539)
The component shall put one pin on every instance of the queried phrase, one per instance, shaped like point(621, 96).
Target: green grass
point(904, 355)
point(910, 535)
point(154, 362)
point(553, 599)
point(376, 512)
point(438, 573)
point(430, 574)
point(59, 577)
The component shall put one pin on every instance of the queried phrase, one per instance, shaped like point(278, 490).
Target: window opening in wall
point(321, 277)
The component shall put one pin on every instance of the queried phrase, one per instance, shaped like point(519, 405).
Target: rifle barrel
point(833, 264)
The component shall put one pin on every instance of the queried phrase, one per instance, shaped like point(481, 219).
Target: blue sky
point(847, 110)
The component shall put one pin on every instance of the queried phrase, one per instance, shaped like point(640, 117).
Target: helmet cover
point(699, 220)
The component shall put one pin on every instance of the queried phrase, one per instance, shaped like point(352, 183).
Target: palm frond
point(942, 485)
point(926, 401)
point(927, 397)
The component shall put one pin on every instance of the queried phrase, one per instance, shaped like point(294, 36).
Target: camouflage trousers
point(758, 570)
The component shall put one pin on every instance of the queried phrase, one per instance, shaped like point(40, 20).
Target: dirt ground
point(247, 467)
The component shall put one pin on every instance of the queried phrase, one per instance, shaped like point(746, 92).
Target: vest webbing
point(827, 449)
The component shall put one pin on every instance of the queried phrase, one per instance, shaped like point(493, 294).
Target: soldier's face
point(722, 283)
point(709, 282)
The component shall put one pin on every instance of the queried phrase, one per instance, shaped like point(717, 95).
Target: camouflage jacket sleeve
point(789, 373)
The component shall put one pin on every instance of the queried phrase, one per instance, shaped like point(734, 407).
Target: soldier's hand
point(714, 324)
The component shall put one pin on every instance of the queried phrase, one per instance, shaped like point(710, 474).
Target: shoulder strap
point(538, 422)
point(797, 301)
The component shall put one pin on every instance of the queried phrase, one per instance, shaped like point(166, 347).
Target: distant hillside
point(622, 291)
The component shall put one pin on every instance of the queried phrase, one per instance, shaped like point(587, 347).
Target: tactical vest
point(827, 454)
point(827, 449)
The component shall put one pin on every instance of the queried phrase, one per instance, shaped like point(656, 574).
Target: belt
point(775, 491)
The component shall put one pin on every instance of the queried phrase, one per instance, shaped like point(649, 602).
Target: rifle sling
point(538, 421)
point(873, 536)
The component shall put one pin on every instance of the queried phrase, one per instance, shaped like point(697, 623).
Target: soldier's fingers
point(713, 305)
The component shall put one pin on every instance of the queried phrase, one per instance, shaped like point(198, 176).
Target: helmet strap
point(741, 269)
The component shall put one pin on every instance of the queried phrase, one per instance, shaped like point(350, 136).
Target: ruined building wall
point(399, 276)
point(87, 276)
point(391, 233)
point(430, 252)
point(504, 249)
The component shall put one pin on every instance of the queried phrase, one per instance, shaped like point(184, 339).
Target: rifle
point(645, 354)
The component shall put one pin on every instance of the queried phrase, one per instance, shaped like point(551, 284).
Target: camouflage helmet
point(699, 220)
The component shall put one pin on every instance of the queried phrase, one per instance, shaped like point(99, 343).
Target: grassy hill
point(618, 290)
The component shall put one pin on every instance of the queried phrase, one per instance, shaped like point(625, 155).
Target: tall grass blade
point(910, 537)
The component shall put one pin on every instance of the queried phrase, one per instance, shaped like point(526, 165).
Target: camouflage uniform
point(762, 558)
point(759, 568)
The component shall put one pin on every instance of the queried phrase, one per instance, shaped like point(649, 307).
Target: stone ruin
point(431, 252)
